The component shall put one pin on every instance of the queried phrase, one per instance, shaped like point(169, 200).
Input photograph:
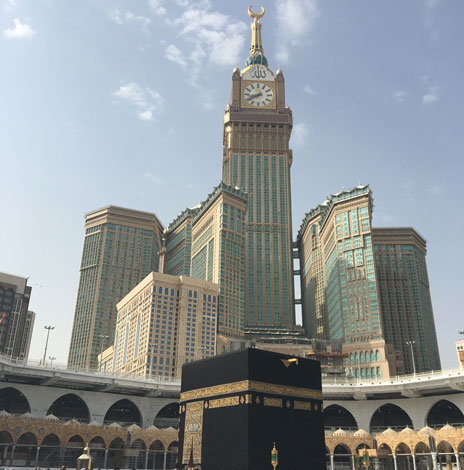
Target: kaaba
point(235, 406)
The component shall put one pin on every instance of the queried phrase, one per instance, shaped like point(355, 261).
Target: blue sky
point(121, 102)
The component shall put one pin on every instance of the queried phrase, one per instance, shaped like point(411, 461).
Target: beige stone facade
point(372, 359)
point(218, 254)
point(28, 442)
point(460, 352)
point(425, 449)
point(164, 322)
point(257, 159)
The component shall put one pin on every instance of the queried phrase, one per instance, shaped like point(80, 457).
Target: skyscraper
point(211, 235)
point(337, 269)
point(16, 320)
point(120, 248)
point(339, 284)
point(368, 287)
point(405, 302)
point(164, 322)
point(257, 159)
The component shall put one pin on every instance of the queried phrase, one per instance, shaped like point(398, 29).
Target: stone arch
point(51, 440)
point(389, 416)
point(73, 449)
point(124, 412)
point(6, 441)
point(461, 447)
point(444, 447)
point(173, 450)
point(26, 448)
point(115, 453)
point(421, 448)
point(156, 455)
point(445, 454)
point(168, 416)
point(5, 438)
point(361, 446)
point(336, 416)
point(97, 442)
point(403, 456)
point(97, 447)
point(342, 455)
point(49, 453)
point(137, 460)
point(384, 454)
point(402, 448)
point(384, 450)
point(444, 412)
point(13, 401)
point(342, 448)
point(70, 406)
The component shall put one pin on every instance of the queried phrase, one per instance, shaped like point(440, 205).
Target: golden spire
point(256, 43)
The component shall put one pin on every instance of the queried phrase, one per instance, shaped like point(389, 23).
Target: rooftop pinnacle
point(256, 50)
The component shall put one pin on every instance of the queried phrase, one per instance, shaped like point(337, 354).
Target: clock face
point(258, 94)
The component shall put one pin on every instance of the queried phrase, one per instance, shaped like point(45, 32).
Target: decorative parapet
point(41, 428)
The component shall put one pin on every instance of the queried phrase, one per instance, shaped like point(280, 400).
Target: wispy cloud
point(295, 19)
point(431, 96)
point(157, 7)
point(430, 18)
point(209, 38)
point(154, 179)
point(10, 5)
point(436, 190)
point(400, 96)
point(147, 103)
point(119, 17)
point(174, 54)
point(214, 34)
point(408, 187)
point(19, 31)
point(299, 133)
point(309, 90)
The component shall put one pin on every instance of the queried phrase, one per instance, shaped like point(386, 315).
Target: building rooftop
point(325, 208)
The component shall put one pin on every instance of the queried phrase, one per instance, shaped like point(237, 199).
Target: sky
point(121, 102)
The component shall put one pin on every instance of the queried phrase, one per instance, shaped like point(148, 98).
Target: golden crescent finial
point(256, 16)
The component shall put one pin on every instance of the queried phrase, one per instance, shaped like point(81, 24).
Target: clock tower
point(257, 159)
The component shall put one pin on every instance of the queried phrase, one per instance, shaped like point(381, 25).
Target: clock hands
point(256, 94)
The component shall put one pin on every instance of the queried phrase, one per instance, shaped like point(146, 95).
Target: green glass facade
point(405, 296)
point(339, 283)
point(117, 254)
point(179, 245)
point(215, 249)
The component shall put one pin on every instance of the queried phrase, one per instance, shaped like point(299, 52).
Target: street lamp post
point(52, 358)
point(48, 328)
point(411, 344)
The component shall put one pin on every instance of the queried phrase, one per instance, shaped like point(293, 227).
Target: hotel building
point(16, 320)
point(213, 235)
point(340, 294)
point(120, 248)
point(257, 159)
point(405, 301)
point(164, 322)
